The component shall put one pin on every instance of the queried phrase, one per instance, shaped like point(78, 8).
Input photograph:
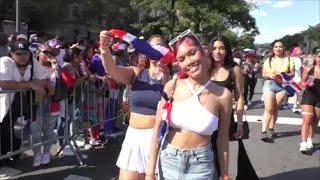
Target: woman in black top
point(310, 103)
point(227, 73)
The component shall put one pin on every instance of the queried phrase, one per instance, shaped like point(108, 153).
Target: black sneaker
point(272, 134)
point(264, 136)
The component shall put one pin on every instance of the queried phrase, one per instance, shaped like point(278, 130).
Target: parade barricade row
point(91, 106)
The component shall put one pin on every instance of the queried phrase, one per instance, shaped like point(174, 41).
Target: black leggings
point(249, 83)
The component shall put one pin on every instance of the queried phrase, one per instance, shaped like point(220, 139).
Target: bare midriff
point(183, 139)
point(140, 121)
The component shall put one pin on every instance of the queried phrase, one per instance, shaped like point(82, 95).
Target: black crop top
point(229, 83)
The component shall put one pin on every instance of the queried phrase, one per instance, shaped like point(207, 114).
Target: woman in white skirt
point(145, 96)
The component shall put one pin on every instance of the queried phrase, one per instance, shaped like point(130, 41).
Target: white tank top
point(192, 116)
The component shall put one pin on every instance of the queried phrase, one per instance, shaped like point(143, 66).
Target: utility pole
point(17, 15)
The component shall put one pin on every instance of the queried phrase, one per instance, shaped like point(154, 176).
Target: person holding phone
point(310, 103)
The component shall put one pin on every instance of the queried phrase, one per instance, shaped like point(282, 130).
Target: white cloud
point(258, 2)
point(259, 13)
point(264, 2)
point(282, 4)
point(251, 1)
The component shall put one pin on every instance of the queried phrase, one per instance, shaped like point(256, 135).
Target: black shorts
point(309, 98)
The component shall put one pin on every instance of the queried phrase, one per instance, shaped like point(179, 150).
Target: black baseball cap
point(19, 46)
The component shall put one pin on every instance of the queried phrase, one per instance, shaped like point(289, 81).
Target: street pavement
point(280, 160)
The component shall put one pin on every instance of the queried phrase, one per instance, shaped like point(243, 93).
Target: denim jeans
point(45, 123)
point(270, 85)
point(190, 164)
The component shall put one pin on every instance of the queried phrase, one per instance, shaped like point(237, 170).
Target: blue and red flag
point(288, 84)
point(154, 52)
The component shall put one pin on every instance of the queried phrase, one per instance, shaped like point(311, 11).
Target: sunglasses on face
point(187, 32)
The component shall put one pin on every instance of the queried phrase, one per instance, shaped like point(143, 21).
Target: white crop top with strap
point(192, 116)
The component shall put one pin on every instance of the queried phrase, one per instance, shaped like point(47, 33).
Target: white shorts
point(135, 150)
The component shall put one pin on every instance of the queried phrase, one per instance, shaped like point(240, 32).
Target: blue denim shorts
point(270, 85)
point(197, 163)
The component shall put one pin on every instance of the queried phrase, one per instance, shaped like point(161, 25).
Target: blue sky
point(277, 18)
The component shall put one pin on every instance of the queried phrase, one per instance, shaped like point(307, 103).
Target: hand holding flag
point(105, 40)
point(154, 52)
point(287, 83)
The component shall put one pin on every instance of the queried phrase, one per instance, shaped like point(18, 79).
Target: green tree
point(233, 38)
point(246, 41)
point(206, 18)
point(313, 33)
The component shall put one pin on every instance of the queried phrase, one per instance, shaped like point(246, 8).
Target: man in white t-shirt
point(17, 72)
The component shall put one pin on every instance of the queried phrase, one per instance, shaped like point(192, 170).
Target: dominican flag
point(288, 84)
point(155, 52)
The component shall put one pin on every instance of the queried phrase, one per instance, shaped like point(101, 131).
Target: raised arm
point(125, 75)
point(223, 135)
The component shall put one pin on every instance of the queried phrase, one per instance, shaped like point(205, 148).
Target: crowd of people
point(188, 103)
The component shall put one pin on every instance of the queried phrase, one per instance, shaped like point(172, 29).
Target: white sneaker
point(37, 160)
point(94, 142)
point(303, 146)
point(245, 107)
point(309, 143)
point(295, 110)
point(45, 158)
point(80, 142)
point(87, 146)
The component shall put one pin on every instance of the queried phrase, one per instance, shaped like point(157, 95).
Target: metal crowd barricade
point(87, 104)
point(21, 121)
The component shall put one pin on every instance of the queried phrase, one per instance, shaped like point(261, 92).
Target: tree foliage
point(303, 39)
point(206, 18)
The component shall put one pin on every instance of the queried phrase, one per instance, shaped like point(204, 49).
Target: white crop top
point(192, 116)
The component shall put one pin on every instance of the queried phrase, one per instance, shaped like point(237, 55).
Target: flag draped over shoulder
point(288, 84)
point(154, 52)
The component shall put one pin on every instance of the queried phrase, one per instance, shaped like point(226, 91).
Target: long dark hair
point(228, 61)
point(71, 53)
point(271, 47)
